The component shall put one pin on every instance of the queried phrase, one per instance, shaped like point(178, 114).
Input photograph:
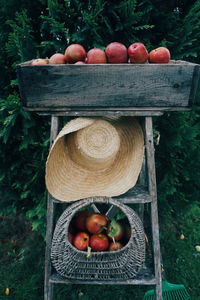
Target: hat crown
point(94, 147)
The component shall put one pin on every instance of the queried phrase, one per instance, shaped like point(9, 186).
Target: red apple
point(39, 61)
point(99, 242)
point(138, 53)
point(116, 53)
point(96, 223)
point(127, 230)
point(96, 56)
point(115, 230)
point(72, 228)
point(74, 53)
point(80, 219)
point(81, 240)
point(57, 58)
point(115, 246)
point(159, 55)
point(70, 238)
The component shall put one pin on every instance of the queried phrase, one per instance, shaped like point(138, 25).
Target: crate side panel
point(106, 85)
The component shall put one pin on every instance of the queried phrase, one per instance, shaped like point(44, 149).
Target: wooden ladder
point(137, 196)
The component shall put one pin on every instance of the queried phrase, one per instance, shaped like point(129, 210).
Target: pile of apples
point(115, 53)
point(97, 232)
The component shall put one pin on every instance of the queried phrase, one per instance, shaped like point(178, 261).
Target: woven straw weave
point(120, 265)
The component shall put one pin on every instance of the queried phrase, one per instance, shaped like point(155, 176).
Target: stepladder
point(138, 196)
point(140, 90)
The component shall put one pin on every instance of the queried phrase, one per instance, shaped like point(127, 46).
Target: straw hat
point(95, 157)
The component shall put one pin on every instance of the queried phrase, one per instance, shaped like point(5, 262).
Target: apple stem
point(89, 254)
point(113, 240)
point(104, 227)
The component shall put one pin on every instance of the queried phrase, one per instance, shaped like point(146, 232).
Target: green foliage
point(179, 174)
point(39, 28)
point(187, 47)
point(24, 143)
point(20, 45)
point(92, 23)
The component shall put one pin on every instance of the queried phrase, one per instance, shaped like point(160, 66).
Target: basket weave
point(121, 264)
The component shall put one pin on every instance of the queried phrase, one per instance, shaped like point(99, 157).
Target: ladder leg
point(142, 182)
point(154, 210)
point(48, 287)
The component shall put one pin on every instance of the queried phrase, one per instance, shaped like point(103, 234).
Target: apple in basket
point(70, 238)
point(96, 223)
point(81, 240)
point(115, 230)
point(114, 246)
point(99, 242)
point(80, 219)
point(127, 232)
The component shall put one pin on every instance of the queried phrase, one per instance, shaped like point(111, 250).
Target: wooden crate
point(170, 86)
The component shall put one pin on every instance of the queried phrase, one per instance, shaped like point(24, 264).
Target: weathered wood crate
point(170, 86)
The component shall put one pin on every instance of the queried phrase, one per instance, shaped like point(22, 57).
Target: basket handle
point(96, 210)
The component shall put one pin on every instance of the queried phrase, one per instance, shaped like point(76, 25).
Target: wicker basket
point(108, 265)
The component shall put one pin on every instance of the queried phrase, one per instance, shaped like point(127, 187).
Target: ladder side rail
point(151, 173)
point(48, 287)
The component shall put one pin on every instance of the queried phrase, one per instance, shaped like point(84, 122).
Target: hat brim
point(67, 181)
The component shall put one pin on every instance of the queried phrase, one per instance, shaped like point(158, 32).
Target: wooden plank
point(54, 129)
point(106, 282)
point(48, 287)
point(142, 180)
point(136, 110)
point(56, 278)
point(195, 86)
point(136, 195)
point(123, 85)
point(154, 210)
point(100, 113)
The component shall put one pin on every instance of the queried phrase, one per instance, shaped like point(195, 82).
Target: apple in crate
point(96, 223)
point(96, 56)
point(115, 246)
point(159, 55)
point(116, 53)
point(81, 240)
point(137, 53)
point(39, 62)
point(57, 58)
point(99, 242)
point(80, 63)
point(74, 53)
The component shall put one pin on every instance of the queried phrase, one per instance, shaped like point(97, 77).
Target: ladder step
point(56, 278)
point(136, 195)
